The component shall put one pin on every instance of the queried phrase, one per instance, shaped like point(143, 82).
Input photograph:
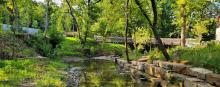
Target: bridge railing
point(166, 41)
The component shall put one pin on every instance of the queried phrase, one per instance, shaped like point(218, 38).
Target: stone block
point(179, 68)
point(202, 84)
point(141, 66)
point(213, 79)
point(143, 59)
point(166, 65)
point(198, 72)
point(156, 62)
point(150, 69)
point(161, 73)
point(191, 82)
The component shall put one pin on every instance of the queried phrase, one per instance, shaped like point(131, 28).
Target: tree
point(15, 18)
point(90, 5)
point(182, 5)
point(75, 24)
point(126, 30)
point(154, 25)
point(46, 17)
point(199, 29)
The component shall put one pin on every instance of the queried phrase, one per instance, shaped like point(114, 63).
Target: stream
point(98, 72)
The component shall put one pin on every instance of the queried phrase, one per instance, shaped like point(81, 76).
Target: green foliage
point(200, 56)
point(109, 48)
point(199, 29)
point(55, 38)
point(142, 35)
point(12, 46)
point(43, 73)
point(41, 44)
point(72, 47)
point(46, 45)
point(156, 54)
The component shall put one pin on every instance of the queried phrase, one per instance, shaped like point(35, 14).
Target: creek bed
point(103, 73)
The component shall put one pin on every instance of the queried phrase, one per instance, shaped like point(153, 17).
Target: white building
point(218, 34)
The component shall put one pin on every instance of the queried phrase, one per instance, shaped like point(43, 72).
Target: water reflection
point(103, 73)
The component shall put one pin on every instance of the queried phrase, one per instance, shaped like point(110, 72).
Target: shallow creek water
point(102, 73)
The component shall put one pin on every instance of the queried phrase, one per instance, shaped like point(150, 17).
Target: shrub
point(46, 45)
point(206, 56)
point(55, 38)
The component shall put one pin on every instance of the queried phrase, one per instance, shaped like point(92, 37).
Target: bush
point(46, 45)
point(41, 44)
point(206, 56)
point(55, 38)
point(13, 47)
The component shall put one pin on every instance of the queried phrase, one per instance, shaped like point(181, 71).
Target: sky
point(56, 1)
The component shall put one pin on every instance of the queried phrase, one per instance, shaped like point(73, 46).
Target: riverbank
point(170, 73)
point(32, 72)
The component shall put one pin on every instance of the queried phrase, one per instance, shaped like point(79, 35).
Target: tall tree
point(90, 5)
point(182, 5)
point(75, 23)
point(126, 29)
point(46, 17)
point(153, 25)
point(15, 17)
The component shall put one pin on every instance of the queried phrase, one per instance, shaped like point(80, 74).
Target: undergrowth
point(42, 73)
point(206, 56)
point(72, 47)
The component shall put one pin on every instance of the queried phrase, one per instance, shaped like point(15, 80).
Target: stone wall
point(167, 72)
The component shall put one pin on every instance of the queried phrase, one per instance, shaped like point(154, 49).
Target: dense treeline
point(164, 18)
point(106, 18)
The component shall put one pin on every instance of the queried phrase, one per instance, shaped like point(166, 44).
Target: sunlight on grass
point(42, 73)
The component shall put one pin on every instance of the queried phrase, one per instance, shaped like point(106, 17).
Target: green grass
point(72, 47)
point(202, 56)
point(43, 73)
point(206, 56)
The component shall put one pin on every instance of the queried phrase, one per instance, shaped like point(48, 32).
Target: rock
point(134, 63)
point(74, 77)
point(180, 68)
point(199, 72)
point(191, 82)
point(185, 62)
point(150, 69)
point(158, 72)
point(213, 79)
point(143, 59)
point(156, 62)
point(141, 66)
point(202, 84)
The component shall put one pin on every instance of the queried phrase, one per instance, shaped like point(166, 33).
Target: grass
point(44, 73)
point(206, 56)
point(72, 47)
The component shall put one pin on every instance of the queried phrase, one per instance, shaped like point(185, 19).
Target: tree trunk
point(88, 21)
point(183, 28)
point(15, 25)
point(126, 30)
point(46, 17)
point(154, 26)
point(75, 24)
